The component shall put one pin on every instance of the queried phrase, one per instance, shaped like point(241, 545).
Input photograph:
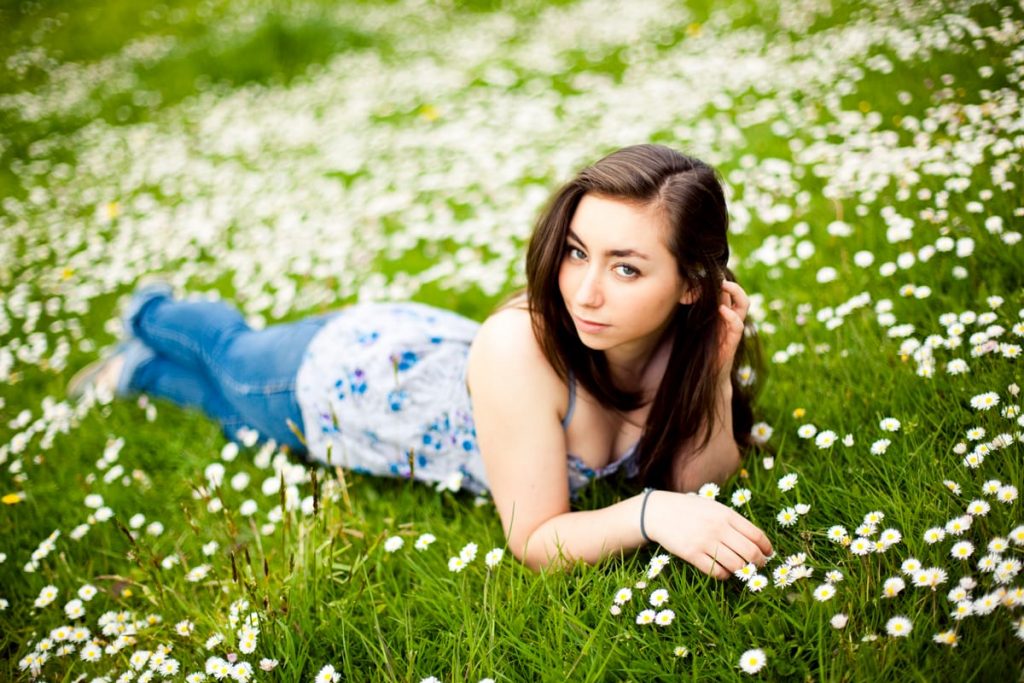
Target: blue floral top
point(382, 390)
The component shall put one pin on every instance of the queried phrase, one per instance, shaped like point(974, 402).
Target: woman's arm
point(517, 401)
point(720, 458)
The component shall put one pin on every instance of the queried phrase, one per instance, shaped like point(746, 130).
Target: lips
point(589, 326)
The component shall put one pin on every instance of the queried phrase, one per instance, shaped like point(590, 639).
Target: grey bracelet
point(643, 509)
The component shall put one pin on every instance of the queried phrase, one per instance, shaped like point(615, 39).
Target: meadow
point(296, 156)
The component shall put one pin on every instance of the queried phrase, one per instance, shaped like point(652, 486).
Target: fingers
point(752, 533)
point(746, 549)
point(734, 297)
point(723, 562)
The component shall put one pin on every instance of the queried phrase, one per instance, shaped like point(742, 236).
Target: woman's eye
point(627, 271)
point(576, 253)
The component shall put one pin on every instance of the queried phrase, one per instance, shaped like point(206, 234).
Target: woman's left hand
point(732, 309)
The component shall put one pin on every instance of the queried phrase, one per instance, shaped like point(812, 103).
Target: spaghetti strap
point(572, 401)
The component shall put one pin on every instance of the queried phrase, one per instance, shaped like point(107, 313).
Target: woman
point(620, 355)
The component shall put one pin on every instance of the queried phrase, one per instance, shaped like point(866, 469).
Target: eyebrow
point(612, 252)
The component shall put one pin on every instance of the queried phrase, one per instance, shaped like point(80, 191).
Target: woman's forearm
point(587, 535)
point(720, 458)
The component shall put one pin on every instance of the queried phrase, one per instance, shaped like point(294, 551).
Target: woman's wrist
point(644, 501)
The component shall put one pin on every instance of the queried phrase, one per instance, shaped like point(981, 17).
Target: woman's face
point(619, 281)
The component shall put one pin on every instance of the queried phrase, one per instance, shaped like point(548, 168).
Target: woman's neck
point(640, 369)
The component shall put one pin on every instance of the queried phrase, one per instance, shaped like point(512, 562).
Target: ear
point(689, 295)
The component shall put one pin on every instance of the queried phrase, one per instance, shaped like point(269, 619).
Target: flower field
point(294, 157)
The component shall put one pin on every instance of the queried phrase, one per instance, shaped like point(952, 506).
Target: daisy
point(615, 610)
point(824, 592)
point(889, 538)
point(973, 460)
point(833, 576)
point(879, 447)
point(866, 530)
point(681, 651)
point(753, 661)
point(889, 424)
point(957, 594)
point(957, 366)
point(802, 508)
point(493, 557)
point(645, 617)
point(741, 497)
point(198, 573)
point(946, 638)
point(806, 431)
point(991, 487)
point(788, 482)
point(47, 595)
point(659, 597)
point(892, 587)
point(962, 609)
point(986, 604)
point(761, 432)
point(899, 627)
point(1017, 535)
point(978, 508)
point(456, 564)
point(988, 563)
point(787, 517)
point(929, 578)
point(657, 564)
point(327, 675)
point(934, 535)
point(757, 582)
point(825, 439)
point(781, 575)
point(838, 621)
point(709, 491)
point(424, 541)
point(998, 545)
point(664, 617)
point(985, 401)
point(796, 559)
point(958, 525)
point(468, 552)
point(848, 440)
point(1007, 570)
point(961, 550)
point(836, 534)
point(861, 546)
point(91, 652)
point(622, 596)
point(874, 517)
point(393, 544)
point(1007, 494)
point(746, 571)
point(87, 592)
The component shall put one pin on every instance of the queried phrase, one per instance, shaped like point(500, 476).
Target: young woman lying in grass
point(621, 355)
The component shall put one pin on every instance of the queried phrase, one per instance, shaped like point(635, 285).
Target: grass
point(297, 156)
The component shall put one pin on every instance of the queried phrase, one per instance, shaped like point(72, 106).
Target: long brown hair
point(687, 192)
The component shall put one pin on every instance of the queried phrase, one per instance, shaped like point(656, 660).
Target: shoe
point(100, 376)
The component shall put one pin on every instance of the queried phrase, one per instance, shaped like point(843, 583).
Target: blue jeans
point(202, 354)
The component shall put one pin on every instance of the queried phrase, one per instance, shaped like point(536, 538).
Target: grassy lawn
point(296, 156)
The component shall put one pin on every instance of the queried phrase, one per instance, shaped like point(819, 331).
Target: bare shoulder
point(505, 348)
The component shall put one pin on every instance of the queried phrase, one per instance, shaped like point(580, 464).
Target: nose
point(588, 292)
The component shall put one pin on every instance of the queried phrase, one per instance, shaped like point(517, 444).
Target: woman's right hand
point(709, 535)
